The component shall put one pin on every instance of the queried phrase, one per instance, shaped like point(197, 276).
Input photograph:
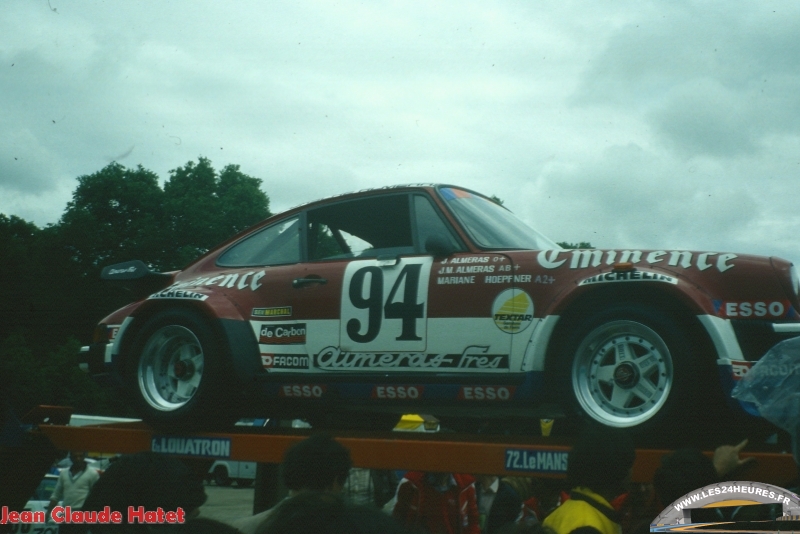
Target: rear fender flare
point(223, 317)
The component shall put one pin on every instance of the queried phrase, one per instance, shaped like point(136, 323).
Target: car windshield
point(490, 225)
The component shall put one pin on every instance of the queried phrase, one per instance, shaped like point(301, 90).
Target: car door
point(263, 267)
point(470, 301)
point(364, 288)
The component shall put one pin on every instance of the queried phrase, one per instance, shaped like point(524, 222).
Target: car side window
point(430, 223)
point(360, 228)
point(278, 244)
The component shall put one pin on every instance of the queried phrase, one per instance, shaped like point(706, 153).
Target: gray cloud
point(650, 124)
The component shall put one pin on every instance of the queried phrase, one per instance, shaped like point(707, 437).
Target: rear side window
point(361, 228)
point(278, 244)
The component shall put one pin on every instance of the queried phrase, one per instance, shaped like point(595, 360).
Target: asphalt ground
point(227, 504)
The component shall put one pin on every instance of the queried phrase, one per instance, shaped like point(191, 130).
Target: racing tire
point(221, 477)
point(178, 374)
point(629, 366)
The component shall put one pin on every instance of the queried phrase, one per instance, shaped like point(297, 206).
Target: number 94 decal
point(384, 307)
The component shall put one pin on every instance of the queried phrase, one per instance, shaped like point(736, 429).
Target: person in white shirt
point(74, 484)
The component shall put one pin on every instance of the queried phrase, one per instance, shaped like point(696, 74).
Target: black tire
point(179, 375)
point(221, 477)
point(629, 366)
point(244, 482)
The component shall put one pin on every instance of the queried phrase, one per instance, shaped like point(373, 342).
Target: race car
point(391, 300)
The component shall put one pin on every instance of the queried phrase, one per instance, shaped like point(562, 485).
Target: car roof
point(368, 191)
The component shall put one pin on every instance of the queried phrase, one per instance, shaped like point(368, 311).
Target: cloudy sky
point(642, 124)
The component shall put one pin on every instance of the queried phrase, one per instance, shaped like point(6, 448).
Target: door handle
point(301, 282)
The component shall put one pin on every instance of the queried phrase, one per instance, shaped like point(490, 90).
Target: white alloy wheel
point(622, 373)
point(170, 368)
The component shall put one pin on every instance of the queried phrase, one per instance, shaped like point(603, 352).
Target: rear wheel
point(177, 373)
point(629, 367)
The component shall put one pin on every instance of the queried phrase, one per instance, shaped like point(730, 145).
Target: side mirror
point(439, 246)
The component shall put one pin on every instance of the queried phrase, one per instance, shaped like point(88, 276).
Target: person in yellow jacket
point(598, 469)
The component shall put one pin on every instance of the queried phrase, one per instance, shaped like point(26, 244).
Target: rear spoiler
point(137, 276)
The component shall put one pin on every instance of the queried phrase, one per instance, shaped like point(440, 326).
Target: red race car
point(435, 298)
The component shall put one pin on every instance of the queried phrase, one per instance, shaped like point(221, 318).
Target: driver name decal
point(473, 357)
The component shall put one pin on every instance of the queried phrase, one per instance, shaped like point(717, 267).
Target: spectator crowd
point(326, 494)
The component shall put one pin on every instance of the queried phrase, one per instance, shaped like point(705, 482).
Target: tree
point(17, 273)
point(115, 214)
point(203, 208)
point(50, 287)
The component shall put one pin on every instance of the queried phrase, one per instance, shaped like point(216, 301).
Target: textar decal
point(281, 311)
point(490, 393)
point(473, 357)
point(753, 309)
point(283, 334)
point(284, 361)
point(303, 391)
point(178, 294)
point(512, 311)
point(629, 276)
point(397, 392)
point(581, 259)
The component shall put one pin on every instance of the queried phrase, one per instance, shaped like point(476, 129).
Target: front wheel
point(629, 367)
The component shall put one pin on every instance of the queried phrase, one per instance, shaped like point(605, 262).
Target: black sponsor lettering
point(512, 317)
point(473, 357)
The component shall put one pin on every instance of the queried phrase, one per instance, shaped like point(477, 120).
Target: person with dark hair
point(73, 486)
point(688, 469)
point(149, 480)
point(440, 503)
point(370, 486)
point(318, 463)
point(498, 503)
point(314, 512)
point(598, 467)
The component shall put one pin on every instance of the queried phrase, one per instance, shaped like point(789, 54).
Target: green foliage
point(17, 240)
point(582, 244)
point(204, 208)
point(52, 378)
point(50, 287)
